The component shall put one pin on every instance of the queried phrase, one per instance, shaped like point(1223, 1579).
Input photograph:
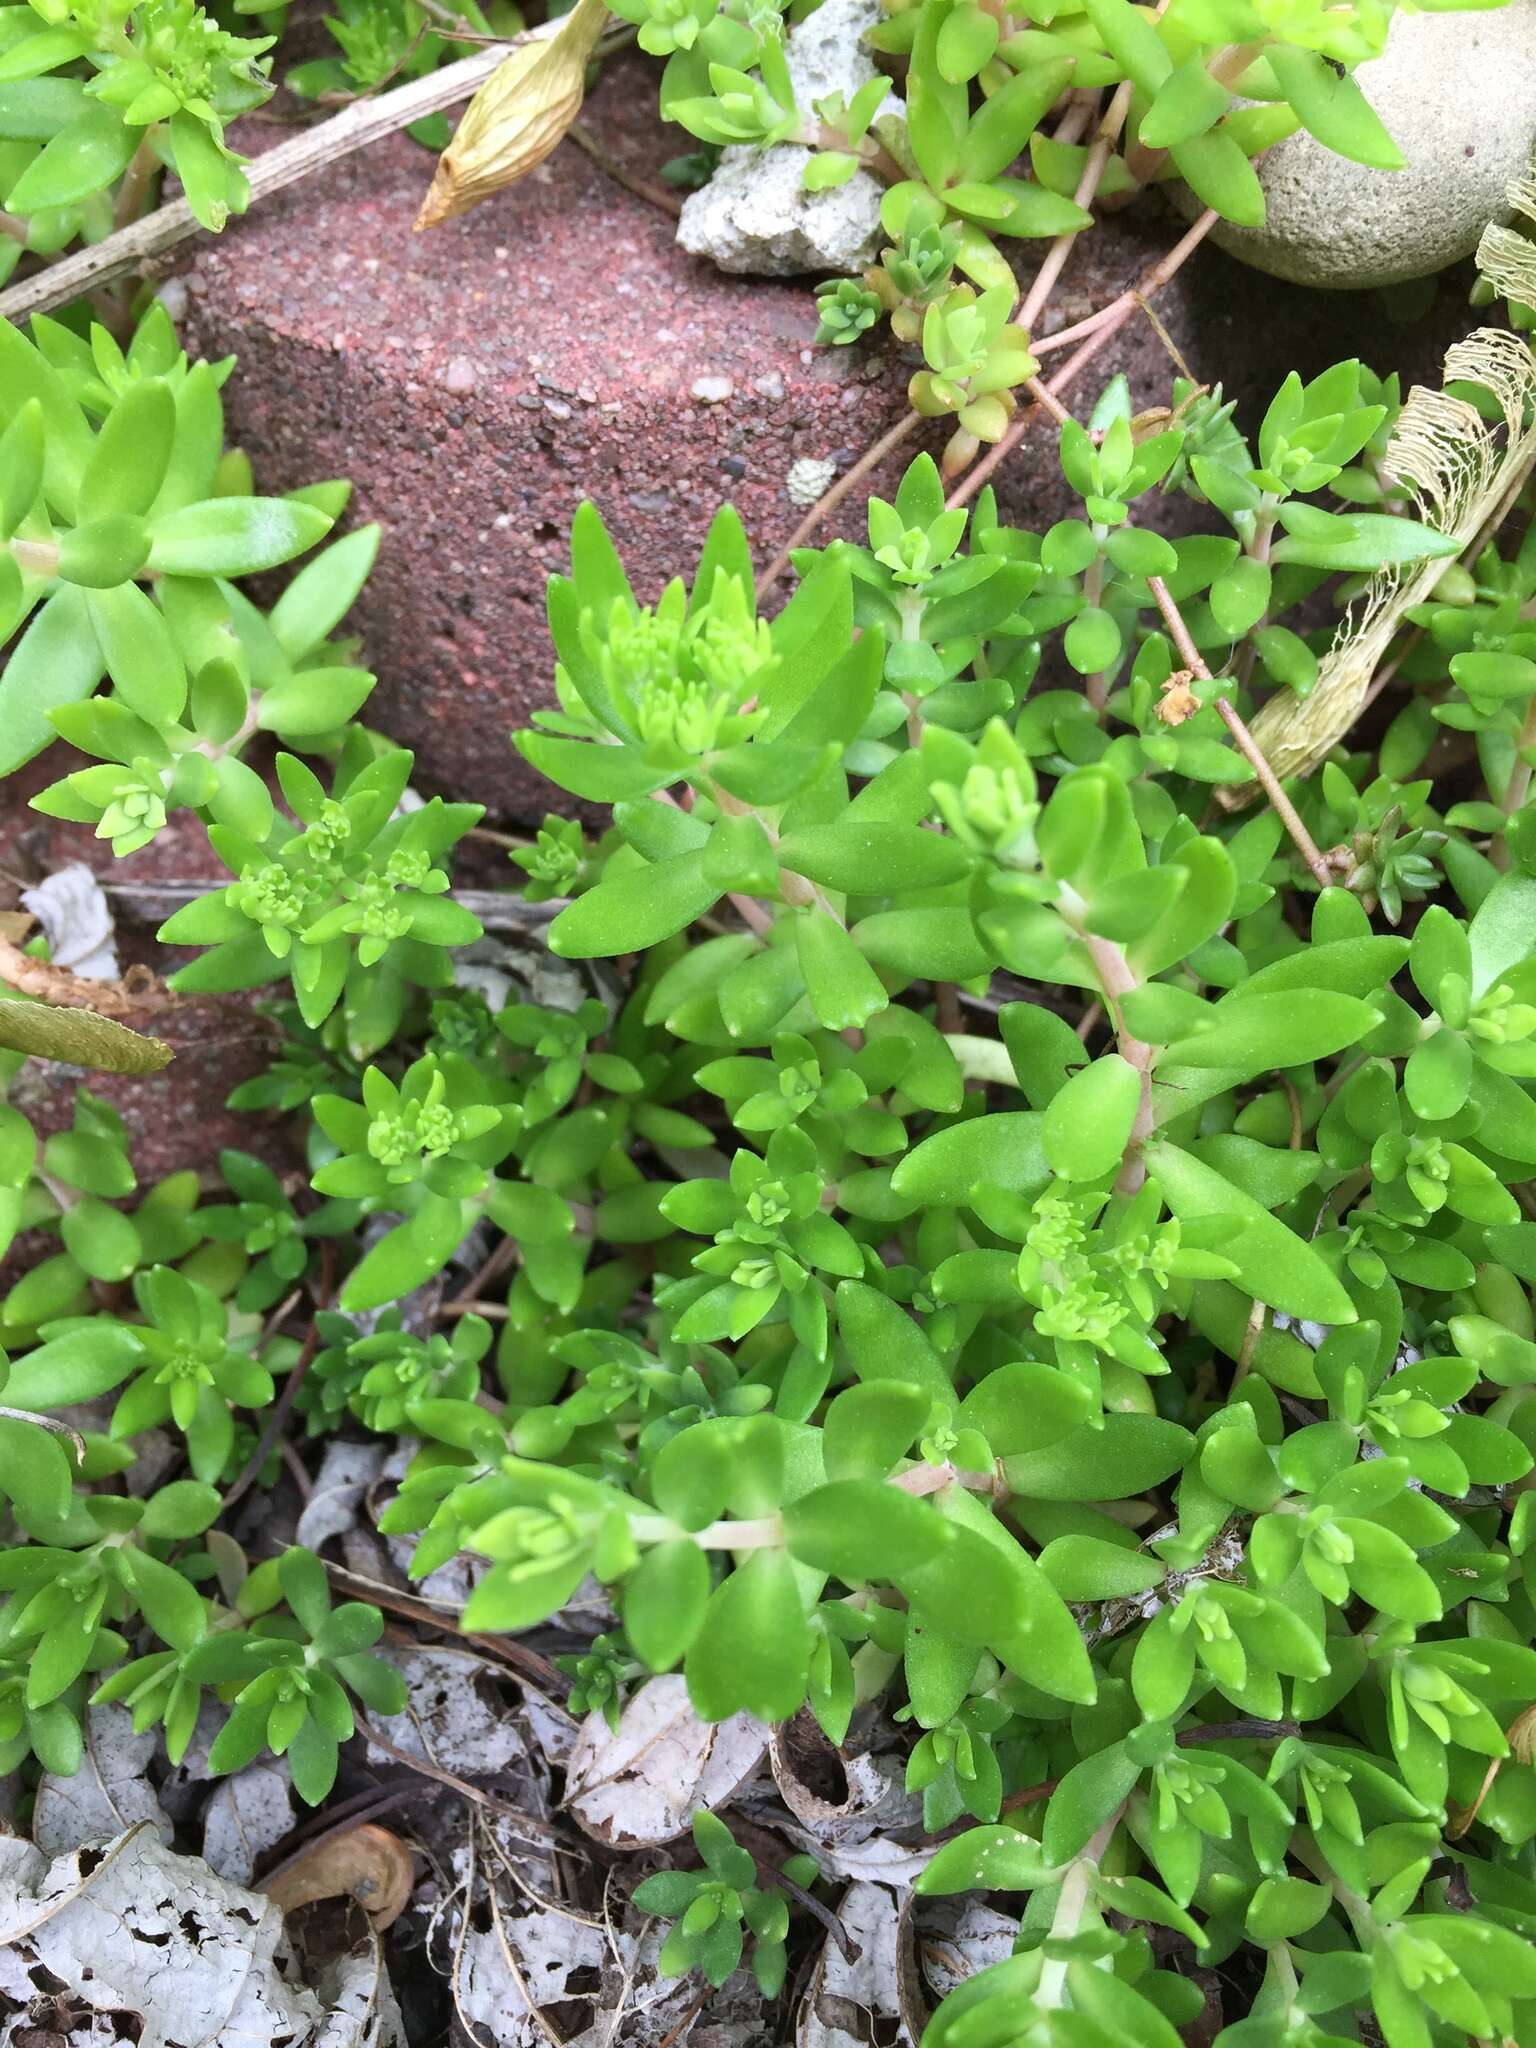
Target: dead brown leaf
point(366, 1863)
point(518, 116)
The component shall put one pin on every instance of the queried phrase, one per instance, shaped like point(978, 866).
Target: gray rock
point(753, 216)
point(1458, 94)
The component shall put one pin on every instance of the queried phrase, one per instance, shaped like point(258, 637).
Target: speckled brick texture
point(477, 381)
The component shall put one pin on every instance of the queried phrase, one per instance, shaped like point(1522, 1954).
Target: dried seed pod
point(518, 116)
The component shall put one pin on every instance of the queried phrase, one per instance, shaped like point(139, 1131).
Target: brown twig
point(1047, 401)
point(525, 1665)
point(1099, 152)
point(643, 188)
point(772, 1874)
point(476, 1794)
point(467, 1297)
point(1251, 752)
point(121, 1000)
point(267, 1441)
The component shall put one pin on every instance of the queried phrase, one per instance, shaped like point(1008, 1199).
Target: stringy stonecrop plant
point(1024, 1256)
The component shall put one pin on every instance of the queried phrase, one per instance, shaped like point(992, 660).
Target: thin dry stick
point(1098, 330)
point(353, 128)
point(829, 501)
point(538, 1829)
point(1289, 816)
point(771, 1873)
point(251, 1470)
point(1047, 400)
point(643, 188)
point(531, 1669)
point(1106, 135)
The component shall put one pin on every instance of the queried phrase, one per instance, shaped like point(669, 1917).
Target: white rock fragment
point(712, 390)
point(1457, 93)
point(808, 478)
point(754, 217)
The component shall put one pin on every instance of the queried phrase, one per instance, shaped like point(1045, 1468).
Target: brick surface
point(479, 380)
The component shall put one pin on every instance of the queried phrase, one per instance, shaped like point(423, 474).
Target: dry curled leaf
point(108, 1795)
point(250, 1812)
point(72, 908)
point(366, 1863)
point(518, 116)
point(645, 1783)
point(850, 2002)
point(80, 1038)
point(127, 1928)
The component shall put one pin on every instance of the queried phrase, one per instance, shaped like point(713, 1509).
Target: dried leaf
point(110, 1792)
point(956, 1937)
point(80, 1038)
point(1461, 472)
point(839, 1795)
point(645, 1783)
point(247, 1815)
point(134, 1929)
point(850, 2004)
point(506, 1974)
point(366, 1863)
point(71, 906)
point(66, 989)
point(518, 116)
point(453, 1716)
point(346, 1473)
point(1505, 256)
point(360, 2002)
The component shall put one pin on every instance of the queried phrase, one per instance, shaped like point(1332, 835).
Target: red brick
point(478, 381)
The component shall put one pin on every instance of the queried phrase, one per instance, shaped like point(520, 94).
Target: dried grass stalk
point(1462, 473)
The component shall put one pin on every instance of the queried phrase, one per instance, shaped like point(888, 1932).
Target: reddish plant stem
point(1117, 980)
point(1269, 782)
point(1099, 153)
point(751, 912)
point(1046, 399)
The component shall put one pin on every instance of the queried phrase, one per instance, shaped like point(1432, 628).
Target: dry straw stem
point(1462, 472)
point(518, 116)
point(365, 121)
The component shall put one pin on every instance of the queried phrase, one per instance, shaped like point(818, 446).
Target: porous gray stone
point(754, 217)
point(1457, 92)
